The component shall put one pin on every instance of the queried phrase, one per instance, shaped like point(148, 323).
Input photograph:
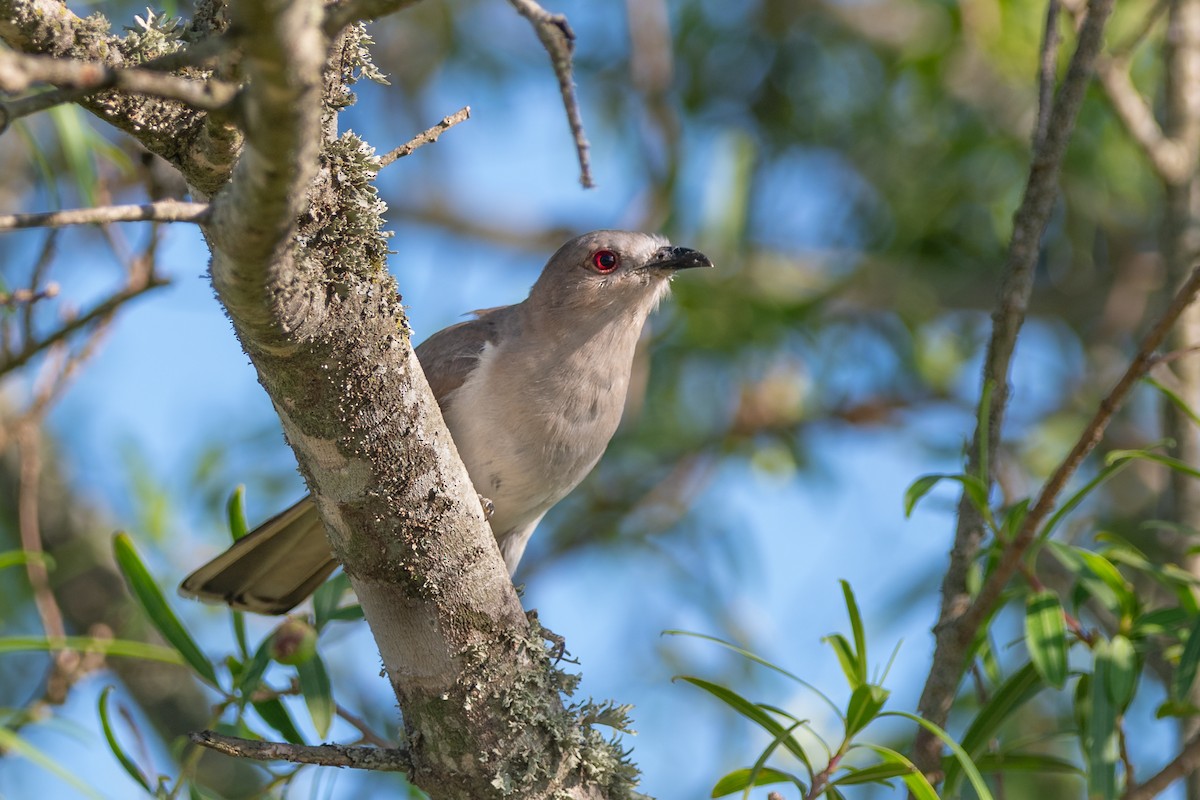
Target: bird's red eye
point(605, 260)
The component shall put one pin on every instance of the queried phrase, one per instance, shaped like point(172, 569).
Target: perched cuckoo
point(531, 393)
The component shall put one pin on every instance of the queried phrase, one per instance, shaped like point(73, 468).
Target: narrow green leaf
point(740, 779)
point(1123, 672)
point(865, 704)
point(964, 760)
point(1026, 762)
point(127, 763)
point(1018, 689)
point(109, 647)
point(751, 712)
point(1074, 500)
point(1107, 572)
point(11, 742)
point(155, 605)
point(1046, 637)
point(918, 489)
point(877, 773)
point(251, 676)
point(275, 714)
point(235, 509)
point(916, 782)
point(1014, 518)
point(760, 660)
point(1158, 458)
point(347, 614)
point(846, 658)
point(326, 598)
point(14, 558)
point(1100, 735)
point(856, 627)
point(318, 693)
point(1175, 399)
point(1185, 671)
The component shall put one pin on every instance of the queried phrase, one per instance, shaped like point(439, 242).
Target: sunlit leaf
point(964, 760)
point(1100, 735)
point(1046, 637)
point(1020, 687)
point(1185, 670)
point(1123, 672)
point(109, 647)
point(856, 627)
point(864, 706)
point(13, 558)
point(751, 712)
point(846, 657)
point(916, 782)
point(155, 605)
point(740, 779)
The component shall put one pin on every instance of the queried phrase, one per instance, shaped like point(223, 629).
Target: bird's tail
point(271, 569)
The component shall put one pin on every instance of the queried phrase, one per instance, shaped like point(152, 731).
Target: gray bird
point(532, 394)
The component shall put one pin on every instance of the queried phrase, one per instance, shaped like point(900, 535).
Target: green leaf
point(1074, 500)
point(877, 773)
point(1175, 399)
point(740, 779)
point(917, 785)
point(155, 605)
point(865, 704)
point(1158, 458)
point(275, 714)
point(760, 660)
point(127, 763)
point(326, 599)
point(964, 760)
point(247, 682)
point(918, 489)
point(1026, 762)
point(1020, 688)
point(1123, 671)
point(1185, 671)
point(751, 712)
point(318, 693)
point(856, 627)
point(14, 558)
point(846, 658)
point(10, 741)
point(1046, 637)
point(235, 509)
point(1100, 734)
point(109, 647)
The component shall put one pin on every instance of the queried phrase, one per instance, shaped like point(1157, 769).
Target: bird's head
point(612, 273)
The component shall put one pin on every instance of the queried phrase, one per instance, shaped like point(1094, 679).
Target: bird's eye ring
point(605, 261)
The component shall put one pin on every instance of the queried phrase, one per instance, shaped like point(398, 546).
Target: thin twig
point(368, 735)
point(330, 755)
point(427, 136)
point(31, 531)
point(18, 72)
point(1181, 766)
point(559, 40)
point(1093, 432)
point(161, 211)
point(1047, 73)
point(953, 633)
point(99, 312)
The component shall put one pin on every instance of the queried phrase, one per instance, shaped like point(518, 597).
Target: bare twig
point(99, 312)
point(559, 40)
point(161, 211)
point(428, 136)
point(329, 755)
point(26, 296)
point(1047, 73)
point(30, 528)
point(1093, 432)
point(368, 735)
point(954, 633)
point(1181, 766)
point(76, 78)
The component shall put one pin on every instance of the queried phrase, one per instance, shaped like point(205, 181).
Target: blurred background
point(851, 166)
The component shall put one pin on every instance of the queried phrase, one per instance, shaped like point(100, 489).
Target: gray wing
point(450, 354)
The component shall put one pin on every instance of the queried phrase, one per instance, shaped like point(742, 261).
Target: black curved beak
point(677, 258)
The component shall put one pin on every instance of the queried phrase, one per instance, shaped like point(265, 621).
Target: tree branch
point(1184, 764)
point(339, 15)
point(953, 635)
point(326, 755)
point(161, 211)
point(428, 136)
point(557, 37)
